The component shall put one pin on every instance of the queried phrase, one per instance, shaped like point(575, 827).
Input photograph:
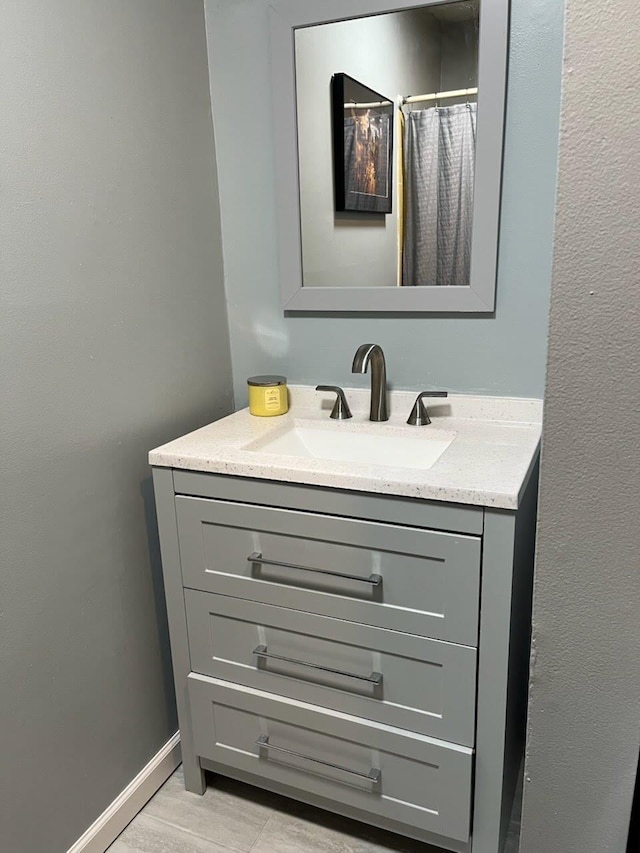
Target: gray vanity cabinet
point(364, 653)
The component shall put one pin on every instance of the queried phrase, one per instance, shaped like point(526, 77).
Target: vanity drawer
point(409, 682)
point(406, 777)
point(418, 581)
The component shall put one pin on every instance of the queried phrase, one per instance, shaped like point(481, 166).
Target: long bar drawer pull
point(372, 776)
point(262, 652)
point(256, 557)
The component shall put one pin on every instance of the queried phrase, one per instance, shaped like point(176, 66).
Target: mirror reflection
point(410, 150)
point(362, 146)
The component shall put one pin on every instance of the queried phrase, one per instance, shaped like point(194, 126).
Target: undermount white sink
point(398, 450)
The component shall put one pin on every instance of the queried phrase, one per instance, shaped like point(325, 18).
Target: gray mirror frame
point(288, 15)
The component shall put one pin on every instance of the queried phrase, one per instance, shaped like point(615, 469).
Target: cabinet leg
point(194, 779)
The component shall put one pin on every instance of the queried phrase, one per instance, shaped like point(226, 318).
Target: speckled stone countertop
point(487, 464)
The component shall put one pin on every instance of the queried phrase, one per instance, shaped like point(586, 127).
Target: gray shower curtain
point(439, 171)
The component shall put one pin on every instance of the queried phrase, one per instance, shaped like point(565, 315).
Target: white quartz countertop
point(495, 445)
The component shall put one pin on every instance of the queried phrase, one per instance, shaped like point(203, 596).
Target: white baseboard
point(127, 804)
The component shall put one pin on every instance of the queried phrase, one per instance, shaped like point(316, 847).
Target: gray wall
point(113, 339)
point(459, 57)
point(397, 54)
point(502, 354)
point(584, 724)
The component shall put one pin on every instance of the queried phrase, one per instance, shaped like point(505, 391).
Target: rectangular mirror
point(394, 119)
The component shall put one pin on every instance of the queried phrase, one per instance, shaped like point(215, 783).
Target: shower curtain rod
point(368, 106)
point(436, 96)
point(414, 99)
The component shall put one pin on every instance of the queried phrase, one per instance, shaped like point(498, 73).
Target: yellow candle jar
point(268, 396)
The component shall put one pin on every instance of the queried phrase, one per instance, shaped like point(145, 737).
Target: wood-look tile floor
point(239, 818)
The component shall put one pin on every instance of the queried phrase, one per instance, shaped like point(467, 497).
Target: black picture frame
point(362, 147)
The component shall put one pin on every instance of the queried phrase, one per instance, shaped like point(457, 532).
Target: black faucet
point(372, 353)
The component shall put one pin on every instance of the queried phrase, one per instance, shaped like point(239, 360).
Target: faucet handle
point(419, 415)
point(341, 410)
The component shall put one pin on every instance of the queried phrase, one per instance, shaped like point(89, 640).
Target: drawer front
point(418, 581)
point(409, 778)
point(409, 682)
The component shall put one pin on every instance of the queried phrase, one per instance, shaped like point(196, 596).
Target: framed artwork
point(362, 147)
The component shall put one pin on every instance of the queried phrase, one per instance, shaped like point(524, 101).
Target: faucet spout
point(371, 354)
